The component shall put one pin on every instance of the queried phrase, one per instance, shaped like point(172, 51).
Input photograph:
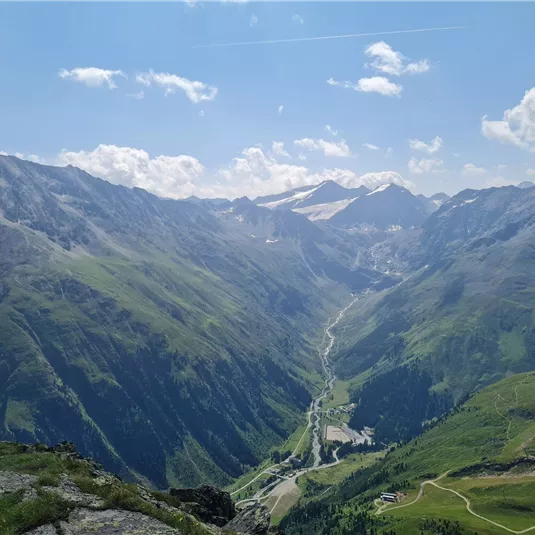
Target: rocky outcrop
point(94, 502)
point(207, 503)
point(253, 520)
point(113, 522)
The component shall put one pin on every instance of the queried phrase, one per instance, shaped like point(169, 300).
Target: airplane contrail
point(326, 37)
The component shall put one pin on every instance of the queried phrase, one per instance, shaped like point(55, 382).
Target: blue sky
point(177, 144)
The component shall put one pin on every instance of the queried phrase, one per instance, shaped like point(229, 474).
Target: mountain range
point(169, 340)
point(176, 340)
point(388, 206)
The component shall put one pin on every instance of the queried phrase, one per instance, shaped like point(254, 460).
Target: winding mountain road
point(385, 508)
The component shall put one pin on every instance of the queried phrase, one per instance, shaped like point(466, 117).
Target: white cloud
point(369, 146)
point(253, 21)
point(530, 172)
point(195, 91)
point(331, 130)
point(517, 126)
point(391, 62)
point(140, 95)
point(329, 148)
point(277, 147)
point(254, 173)
point(297, 19)
point(375, 84)
point(435, 145)
point(499, 182)
point(279, 109)
point(29, 157)
point(425, 166)
point(167, 176)
point(470, 169)
point(302, 156)
point(201, 113)
point(91, 76)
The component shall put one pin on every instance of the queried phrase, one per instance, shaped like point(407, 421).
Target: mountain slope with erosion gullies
point(464, 313)
point(156, 334)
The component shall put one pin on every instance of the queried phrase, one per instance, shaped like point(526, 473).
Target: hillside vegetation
point(484, 449)
point(161, 336)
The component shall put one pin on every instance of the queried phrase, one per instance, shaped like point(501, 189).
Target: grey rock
point(114, 522)
point(253, 520)
point(13, 482)
point(70, 492)
point(207, 504)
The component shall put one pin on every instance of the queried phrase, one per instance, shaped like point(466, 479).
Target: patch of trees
point(443, 527)
point(396, 404)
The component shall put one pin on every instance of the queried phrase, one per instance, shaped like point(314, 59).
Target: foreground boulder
point(253, 520)
point(207, 504)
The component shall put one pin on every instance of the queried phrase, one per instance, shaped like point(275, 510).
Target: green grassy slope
point(159, 336)
point(484, 450)
point(464, 313)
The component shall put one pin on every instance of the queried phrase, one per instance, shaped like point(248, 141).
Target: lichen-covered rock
point(70, 492)
point(13, 482)
point(114, 522)
point(207, 503)
point(253, 520)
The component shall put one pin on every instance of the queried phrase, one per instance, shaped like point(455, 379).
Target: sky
point(138, 94)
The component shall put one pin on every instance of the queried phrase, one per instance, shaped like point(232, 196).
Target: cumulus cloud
point(425, 166)
point(393, 63)
point(91, 76)
point(194, 90)
point(167, 176)
point(29, 157)
point(517, 126)
point(470, 169)
point(375, 84)
point(255, 173)
point(277, 147)
point(297, 19)
point(369, 146)
point(499, 182)
point(435, 145)
point(329, 148)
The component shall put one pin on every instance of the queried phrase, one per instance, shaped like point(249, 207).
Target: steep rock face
point(253, 519)
point(207, 503)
